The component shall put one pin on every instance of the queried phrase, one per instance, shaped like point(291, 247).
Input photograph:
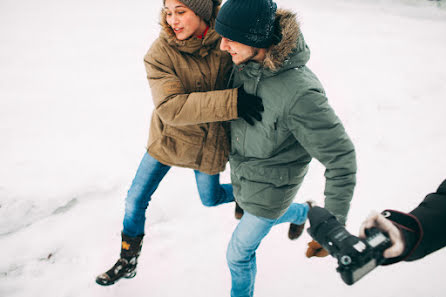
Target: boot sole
point(128, 275)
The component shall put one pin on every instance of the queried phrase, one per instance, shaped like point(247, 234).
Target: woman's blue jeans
point(148, 177)
point(241, 253)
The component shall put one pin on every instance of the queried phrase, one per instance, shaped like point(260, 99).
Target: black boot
point(238, 213)
point(126, 264)
point(295, 231)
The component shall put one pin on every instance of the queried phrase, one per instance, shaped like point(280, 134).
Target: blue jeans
point(148, 177)
point(241, 253)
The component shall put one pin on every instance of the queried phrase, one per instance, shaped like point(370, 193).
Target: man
point(270, 159)
point(415, 234)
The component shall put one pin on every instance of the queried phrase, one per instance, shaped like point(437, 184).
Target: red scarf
point(204, 33)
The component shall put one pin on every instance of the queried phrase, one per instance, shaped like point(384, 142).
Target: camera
point(356, 256)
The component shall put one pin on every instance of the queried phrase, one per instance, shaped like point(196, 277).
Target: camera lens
point(346, 260)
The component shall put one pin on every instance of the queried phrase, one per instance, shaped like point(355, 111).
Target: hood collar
point(277, 54)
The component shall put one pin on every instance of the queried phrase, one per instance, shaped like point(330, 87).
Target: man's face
point(240, 53)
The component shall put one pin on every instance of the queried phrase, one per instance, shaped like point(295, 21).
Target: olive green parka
point(270, 159)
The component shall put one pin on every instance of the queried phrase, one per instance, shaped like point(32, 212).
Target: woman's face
point(182, 19)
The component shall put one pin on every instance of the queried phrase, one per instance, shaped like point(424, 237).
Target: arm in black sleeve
point(423, 228)
point(432, 216)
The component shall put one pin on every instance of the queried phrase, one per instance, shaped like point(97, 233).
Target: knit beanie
point(202, 8)
point(250, 22)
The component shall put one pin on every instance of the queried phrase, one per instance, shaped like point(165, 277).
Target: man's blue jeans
point(148, 177)
point(241, 253)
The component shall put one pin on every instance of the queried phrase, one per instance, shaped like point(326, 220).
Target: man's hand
point(396, 237)
point(249, 106)
point(315, 250)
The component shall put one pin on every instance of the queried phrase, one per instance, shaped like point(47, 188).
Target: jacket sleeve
point(176, 107)
point(320, 132)
point(423, 227)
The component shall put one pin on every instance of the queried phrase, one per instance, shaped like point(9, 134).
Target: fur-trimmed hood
point(292, 51)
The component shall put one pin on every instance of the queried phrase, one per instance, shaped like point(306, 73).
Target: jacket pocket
point(184, 146)
point(193, 137)
point(261, 139)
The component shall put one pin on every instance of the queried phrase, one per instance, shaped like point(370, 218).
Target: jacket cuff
point(412, 231)
point(234, 103)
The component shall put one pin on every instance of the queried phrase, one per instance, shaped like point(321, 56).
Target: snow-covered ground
point(74, 117)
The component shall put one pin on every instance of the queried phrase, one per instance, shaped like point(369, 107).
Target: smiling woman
point(184, 21)
point(187, 74)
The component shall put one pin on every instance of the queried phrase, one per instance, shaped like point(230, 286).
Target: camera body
point(356, 256)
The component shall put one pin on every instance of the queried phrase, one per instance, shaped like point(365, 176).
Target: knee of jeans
point(236, 254)
point(136, 198)
point(129, 208)
point(133, 206)
point(231, 257)
point(208, 198)
point(209, 202)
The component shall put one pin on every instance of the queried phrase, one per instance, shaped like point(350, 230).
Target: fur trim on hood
point(277, 54)
point(171, 34)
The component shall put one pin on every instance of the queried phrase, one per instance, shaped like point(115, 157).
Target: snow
point(74, 116)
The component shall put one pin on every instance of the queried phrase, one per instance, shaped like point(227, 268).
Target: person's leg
point(241, 253)
point(211, 192)
point(148, 177)
point(296, 214)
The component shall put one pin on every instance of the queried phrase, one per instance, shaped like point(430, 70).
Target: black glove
point(249, 106)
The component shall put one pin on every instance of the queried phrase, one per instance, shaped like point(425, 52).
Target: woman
point(187, 73)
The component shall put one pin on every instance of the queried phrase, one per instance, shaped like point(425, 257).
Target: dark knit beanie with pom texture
point(250, 22)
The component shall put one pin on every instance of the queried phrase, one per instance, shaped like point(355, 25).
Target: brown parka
point(187, 79)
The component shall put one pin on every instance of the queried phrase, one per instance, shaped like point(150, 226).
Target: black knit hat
point(250, 22)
